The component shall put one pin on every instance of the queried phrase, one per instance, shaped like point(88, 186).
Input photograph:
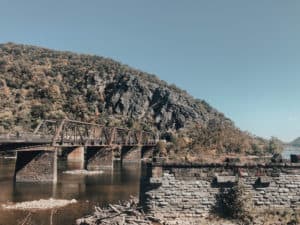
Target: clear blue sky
point(241, 56)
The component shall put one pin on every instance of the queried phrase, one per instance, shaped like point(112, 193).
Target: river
point(88, 190)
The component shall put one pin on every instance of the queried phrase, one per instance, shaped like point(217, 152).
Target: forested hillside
point(38, 83)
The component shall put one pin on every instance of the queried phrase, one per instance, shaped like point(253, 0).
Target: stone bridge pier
point(74, 155)
point(131, 154)
point(36, 166)
point(98, 158)
point(137, 153)
point(148, 152)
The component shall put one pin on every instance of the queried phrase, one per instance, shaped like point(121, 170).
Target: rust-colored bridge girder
point(75, 133)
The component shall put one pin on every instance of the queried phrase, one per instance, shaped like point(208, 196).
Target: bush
point(233, 203)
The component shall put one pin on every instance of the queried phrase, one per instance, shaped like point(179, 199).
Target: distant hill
point(295, 143)
point(38, 83)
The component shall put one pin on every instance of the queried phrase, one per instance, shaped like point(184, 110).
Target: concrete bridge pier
point(99, 158)
point(36, 166)
point(131, 154)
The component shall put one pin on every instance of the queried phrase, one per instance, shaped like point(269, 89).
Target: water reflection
point(100, 189)
point(74, 165)
point(31, 191)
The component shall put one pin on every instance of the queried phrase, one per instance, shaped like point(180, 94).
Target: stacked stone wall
point(176, 191)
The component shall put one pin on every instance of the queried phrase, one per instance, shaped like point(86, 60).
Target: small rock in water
point(39, 204)
point(83, 172)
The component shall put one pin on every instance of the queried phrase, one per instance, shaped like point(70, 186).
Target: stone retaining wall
point(189, 191)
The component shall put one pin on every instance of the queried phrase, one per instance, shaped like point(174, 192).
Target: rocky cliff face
point(144, 100)
point(38, 83)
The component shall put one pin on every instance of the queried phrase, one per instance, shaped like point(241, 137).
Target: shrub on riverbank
point(234, 203)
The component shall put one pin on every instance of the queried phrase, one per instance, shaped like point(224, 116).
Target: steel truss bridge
point(69, 133)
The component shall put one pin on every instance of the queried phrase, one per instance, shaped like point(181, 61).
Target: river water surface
point(88, 190)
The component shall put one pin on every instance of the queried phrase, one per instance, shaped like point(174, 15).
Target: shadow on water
point(101, 189)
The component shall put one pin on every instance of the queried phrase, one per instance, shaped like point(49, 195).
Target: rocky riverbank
point(130, 213)
point(127, 213)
